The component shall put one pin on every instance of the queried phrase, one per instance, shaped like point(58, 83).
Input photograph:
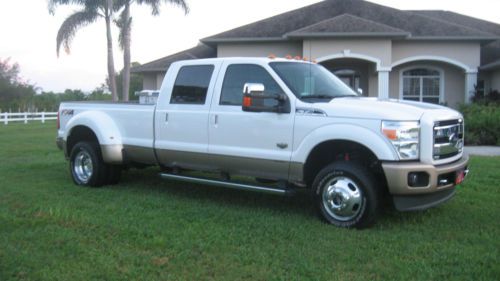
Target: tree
point(90, 12)
point(14, 93)
point(124, 23)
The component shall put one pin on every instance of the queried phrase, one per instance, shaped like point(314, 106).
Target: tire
point(346, 196)
point(114, 173)
point(86, 165)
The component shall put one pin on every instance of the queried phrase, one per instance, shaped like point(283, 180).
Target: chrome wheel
point(342, 198)
point(83, 167)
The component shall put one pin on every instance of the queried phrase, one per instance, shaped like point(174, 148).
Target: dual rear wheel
point(88, 169)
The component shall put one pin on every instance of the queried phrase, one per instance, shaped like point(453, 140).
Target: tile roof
point(417, 25)
point(198, 52)
point(349, 18)
point(346, 25)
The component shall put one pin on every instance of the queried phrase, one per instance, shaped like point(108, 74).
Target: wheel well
point(80, 133)
point(342, 150)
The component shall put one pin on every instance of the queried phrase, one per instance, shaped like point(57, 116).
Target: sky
point(28, 35)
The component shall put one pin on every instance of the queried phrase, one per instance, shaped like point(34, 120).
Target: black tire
point(346, 196)
point(86, 165)
point(113, 174)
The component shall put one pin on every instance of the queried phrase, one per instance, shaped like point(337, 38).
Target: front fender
point(380, 146)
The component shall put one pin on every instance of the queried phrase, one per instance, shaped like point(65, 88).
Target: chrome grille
point(448, 138)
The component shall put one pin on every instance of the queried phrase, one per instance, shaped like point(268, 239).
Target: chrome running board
point(240, 186)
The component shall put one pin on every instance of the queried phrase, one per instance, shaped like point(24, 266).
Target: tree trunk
point(111, 62)
point(126, 53)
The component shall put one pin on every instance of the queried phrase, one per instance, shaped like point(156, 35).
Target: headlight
point(404, 135)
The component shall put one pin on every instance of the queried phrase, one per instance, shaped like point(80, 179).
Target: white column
point(470, 83)
point(383, 83)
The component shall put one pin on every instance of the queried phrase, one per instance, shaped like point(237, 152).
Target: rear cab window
point(191, 84)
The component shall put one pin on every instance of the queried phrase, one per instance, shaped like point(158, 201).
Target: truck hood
point(382, 109)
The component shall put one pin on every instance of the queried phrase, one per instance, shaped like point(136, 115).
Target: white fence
point(6, 117)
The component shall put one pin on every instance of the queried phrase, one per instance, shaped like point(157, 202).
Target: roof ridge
point(343, 15)
point(452, 23)
point(456, 14)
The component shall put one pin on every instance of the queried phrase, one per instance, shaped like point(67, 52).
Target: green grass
point(149, 229)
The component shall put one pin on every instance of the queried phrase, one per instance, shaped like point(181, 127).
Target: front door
point(251, 143)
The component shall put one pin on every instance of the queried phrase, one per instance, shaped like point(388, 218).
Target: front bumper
point(436, 191)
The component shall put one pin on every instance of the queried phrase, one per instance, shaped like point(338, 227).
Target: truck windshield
point(311, 82)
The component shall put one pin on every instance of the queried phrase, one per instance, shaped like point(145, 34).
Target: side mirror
point(360, 91)
point(255, 100)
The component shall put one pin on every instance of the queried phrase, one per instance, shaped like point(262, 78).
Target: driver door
point(250, 143)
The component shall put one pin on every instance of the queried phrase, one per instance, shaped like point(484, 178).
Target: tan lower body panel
point(397, 176)
point(263, 168)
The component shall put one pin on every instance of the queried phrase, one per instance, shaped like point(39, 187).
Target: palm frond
point(52, 4)
point(71, 25)
point(155, 5)
point(123, 25)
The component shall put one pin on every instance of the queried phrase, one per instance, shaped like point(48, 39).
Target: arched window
point(422, 84)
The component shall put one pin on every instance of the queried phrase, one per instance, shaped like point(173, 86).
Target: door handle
point(216, 119)
point(166, 117)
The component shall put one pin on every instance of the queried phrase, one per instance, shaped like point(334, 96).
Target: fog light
point(418, 179)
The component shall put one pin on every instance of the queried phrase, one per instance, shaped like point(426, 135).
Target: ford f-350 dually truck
point(289, 124)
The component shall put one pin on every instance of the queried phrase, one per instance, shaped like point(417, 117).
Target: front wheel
point(346, 196)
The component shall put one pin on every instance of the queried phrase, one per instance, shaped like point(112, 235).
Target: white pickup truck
point(289, 124)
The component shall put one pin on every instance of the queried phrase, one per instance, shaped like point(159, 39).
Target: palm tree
point(91, 11)
point(125, 25)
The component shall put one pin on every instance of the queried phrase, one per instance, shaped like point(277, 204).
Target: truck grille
point(448, 138)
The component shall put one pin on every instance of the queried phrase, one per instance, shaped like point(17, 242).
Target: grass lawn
point(149, 229)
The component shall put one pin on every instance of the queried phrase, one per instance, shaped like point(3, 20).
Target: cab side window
point(239, 74)
point(191, 84)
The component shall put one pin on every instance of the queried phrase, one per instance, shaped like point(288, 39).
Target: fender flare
point(107, 133)
point(376, 143)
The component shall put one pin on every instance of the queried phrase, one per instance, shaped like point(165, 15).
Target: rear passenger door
point(181, 120)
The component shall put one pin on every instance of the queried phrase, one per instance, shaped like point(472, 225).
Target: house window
point(422, 84)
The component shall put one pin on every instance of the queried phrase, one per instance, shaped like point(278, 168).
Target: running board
point(240, 186)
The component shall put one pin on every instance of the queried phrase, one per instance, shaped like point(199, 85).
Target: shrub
point(482, 124)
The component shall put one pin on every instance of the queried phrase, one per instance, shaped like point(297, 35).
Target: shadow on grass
point(148, 181)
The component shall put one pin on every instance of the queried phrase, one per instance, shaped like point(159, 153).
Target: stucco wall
point(259, 49)
point(454, 81)
point(463, 52)
point(152, 80)
point(324, 49)
point(159, 79)
point(149, 81)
